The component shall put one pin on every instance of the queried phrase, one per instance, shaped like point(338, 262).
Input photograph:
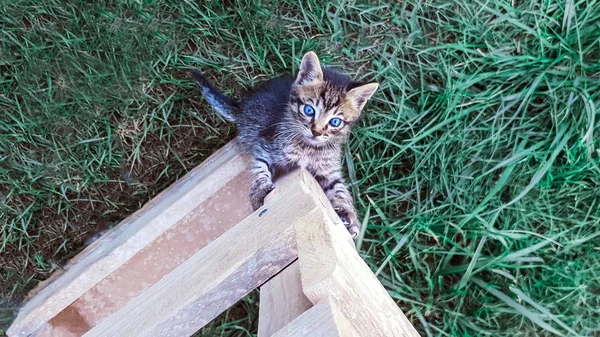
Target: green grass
point(476, 168)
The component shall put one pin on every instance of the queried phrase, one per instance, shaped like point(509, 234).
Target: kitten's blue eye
point(309, 110)
point(335, 122)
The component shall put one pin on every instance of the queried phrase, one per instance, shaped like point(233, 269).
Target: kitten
point(303, 122)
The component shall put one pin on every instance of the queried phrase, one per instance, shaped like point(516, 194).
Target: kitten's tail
point(222, 104)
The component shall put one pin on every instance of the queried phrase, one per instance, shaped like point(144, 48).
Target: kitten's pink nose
point(315, 133)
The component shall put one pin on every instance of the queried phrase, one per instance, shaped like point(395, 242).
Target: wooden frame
point(281, 301)
point(322, 320)
point(142, 249)
point(332, 292)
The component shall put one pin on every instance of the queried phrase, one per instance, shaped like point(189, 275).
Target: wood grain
point(332, 270)
point(219, 275)
point(281, 301)
point(297, 222)
point(322, 320)
point(281, 298)
point(223, 210)
point(119, 245)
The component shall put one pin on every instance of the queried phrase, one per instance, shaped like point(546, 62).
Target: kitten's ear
point(310, 70)
point(359, 95)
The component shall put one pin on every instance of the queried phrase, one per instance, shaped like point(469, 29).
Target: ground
point(476, 167)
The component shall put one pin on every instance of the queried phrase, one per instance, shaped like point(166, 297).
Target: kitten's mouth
point(315, 141)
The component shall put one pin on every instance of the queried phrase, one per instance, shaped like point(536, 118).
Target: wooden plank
point(281, 298)
point(322, 320)
point(331, 269)
point(220, 274)
point(281, 301)
point(127, 239)
point(66, 324)
point(209, 220)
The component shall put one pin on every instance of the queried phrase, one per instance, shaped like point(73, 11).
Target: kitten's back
point(265, 105)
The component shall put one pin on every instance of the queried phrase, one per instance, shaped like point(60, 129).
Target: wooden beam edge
point(185, 311)
point(322, 320)
point(281, 300)
point(132, 234)
point(331, 269)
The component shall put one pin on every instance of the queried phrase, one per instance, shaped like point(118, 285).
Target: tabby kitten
point(303, 122)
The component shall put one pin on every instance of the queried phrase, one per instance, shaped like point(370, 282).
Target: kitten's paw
point(350, 220)
point(353, 229)
point(258, 194)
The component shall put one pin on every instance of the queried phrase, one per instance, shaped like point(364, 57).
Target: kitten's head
point(326, 104)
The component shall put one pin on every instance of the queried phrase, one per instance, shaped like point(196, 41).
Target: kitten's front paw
point(258, 194)
point(350, 220)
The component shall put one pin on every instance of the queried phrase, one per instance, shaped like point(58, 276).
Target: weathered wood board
point(111, 266)
point(281, 301)
point(322, 320)
point(219, 275)
point(331, 270)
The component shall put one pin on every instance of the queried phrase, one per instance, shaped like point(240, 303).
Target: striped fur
point(221, 103)
point(276, 132)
